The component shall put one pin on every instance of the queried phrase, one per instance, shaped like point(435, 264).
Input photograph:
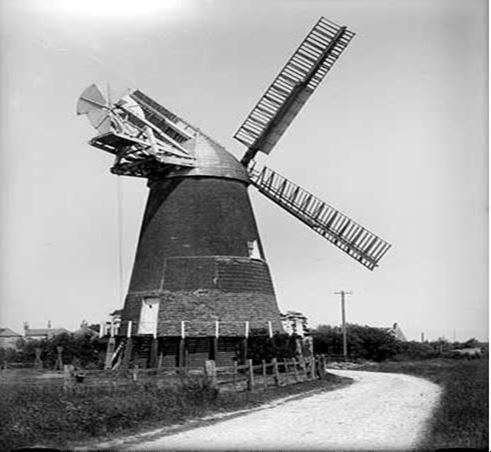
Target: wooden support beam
point(182, 353)
point(265, 374)
point(154, 353)
point(214, 351)
point(244, 350)
point(128, 351)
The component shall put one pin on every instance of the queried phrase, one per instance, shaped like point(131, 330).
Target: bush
point(261, 346)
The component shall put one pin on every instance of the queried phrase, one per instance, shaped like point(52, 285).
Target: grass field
point(47, 416)
point(461, 419)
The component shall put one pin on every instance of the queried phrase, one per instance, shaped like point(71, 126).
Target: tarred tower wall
point(193, 254)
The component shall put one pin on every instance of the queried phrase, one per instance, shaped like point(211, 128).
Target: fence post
point(67, 376)
point(295, 368)
point(276, 373)
point(38, 363)
point(322, 367)
point(59, 359)
point(265, 375)
point(250, 375)
point(304, 368)
point(135, 373)
point(211, 374)
point(312, 368)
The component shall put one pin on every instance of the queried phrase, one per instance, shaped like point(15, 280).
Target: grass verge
point(461, 419)
point(31, 415)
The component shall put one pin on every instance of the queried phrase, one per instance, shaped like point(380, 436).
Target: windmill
point(200, 281)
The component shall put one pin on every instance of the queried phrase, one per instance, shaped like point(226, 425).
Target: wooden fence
point(231, 378)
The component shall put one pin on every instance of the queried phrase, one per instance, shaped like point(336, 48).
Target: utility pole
point(343, 293)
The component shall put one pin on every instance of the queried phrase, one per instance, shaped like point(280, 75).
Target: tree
point(363, 342)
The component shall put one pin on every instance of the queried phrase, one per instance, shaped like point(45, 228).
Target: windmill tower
point(200, 281)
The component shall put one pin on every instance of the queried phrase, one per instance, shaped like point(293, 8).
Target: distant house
point(9, 338)
point(42, 333)
point(294, 323)
point(396, 331)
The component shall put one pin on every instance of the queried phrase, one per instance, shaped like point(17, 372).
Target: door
point(149, 315)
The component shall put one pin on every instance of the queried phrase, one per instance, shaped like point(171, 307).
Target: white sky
point(395, 137)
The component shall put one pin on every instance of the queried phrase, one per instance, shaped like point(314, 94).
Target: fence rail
point(246, 376)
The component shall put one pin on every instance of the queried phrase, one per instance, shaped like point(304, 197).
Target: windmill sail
point(346, 234)
point(292, 87)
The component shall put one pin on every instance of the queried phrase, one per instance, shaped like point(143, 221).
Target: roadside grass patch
point(47, 416)
point(461, 419)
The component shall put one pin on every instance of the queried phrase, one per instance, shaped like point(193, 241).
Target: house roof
point(45, 331)
point(7, 332)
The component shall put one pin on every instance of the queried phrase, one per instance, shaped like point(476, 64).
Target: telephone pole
point(343, 293)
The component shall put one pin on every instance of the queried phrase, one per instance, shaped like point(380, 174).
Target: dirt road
point(378, 411)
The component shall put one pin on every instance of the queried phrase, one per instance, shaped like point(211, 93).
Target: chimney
point(49, 324)
point(26, 327)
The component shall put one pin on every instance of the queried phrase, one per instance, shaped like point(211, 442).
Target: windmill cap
point(212, 160)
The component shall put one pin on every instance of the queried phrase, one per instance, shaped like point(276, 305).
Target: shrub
point(261, 346)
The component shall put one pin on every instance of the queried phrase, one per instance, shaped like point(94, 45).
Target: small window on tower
point(253, 249)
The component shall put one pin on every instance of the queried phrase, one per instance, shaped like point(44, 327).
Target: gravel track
point(380, 411)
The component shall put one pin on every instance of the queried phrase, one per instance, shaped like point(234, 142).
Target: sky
point(396, 137)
